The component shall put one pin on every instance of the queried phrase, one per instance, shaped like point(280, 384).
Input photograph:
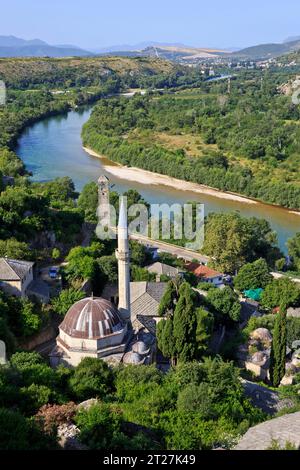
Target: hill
point(266, 51)
point(11, 46)
point(83, 71)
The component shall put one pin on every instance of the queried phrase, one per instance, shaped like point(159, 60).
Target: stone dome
point(132, 358)
point(141, 348)
point(92, 318)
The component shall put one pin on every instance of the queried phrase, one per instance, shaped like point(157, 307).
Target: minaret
point(123, 257)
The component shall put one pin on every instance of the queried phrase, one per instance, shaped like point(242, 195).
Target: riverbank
point(150, 178)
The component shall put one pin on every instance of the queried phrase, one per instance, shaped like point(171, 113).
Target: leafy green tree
point(280, 264)
point(56, 253)
point(30, 319)
point(294, 250)
point(278, 349)
point(109, 267)
point(92, 378)
point(253, 276)
point(134, 382)
point(280, 291)
point(141, 274)
point(14, 249)
point(88, 201)
point(99, 426)
point(225, 302)
point(19, 433)
point(66, 299)
point(233, 240)
point(80, 264)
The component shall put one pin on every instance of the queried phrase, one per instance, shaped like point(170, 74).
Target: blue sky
point(97, 23)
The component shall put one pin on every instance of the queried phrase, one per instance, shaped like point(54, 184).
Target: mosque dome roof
point(92, 318)
point(141, 348)
point(132, 358)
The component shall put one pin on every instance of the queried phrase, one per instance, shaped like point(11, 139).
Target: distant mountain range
point(11, 46)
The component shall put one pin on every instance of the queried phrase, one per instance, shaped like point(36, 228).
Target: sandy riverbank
point(149, 178)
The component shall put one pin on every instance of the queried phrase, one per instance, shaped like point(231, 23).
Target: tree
point(141, 274)
point(165, 338)
point(66, 299)
point(205, 322)
point(185, 325)
point(293, 245)
point(88, 201)
point(56, 253)
point(278, 349)
point(18, 433)
point(92, 378)
point(80, 265)
point(109, 267)
point(169, 299)
point(253, 276)
point(225, 302)
point(99, 426)
point(15, 249)
point(280, 291)
point(233, 240)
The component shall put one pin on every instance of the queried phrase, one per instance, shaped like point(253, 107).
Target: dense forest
point(245, 141)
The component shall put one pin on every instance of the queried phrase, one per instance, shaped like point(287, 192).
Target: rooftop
point(202, 271)
point(161, 268)
point(145, 297)
point(92, 318)
point(14, 270)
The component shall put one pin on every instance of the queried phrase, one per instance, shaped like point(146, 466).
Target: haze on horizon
point(95, 24)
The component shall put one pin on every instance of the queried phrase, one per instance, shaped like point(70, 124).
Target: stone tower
point(103, 200)
point(123, 257)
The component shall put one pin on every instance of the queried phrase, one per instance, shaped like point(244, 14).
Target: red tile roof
point(202, 271)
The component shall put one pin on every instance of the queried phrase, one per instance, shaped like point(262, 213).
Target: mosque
point(95, 327)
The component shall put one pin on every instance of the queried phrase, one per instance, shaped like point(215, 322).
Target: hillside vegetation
point(52, 73)
point(246, 142)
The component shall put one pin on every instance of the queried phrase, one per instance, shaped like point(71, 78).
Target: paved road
point(175, 250)
point(279, 275)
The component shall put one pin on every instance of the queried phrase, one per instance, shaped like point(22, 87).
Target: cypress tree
point(278, 350)
point(185, 325)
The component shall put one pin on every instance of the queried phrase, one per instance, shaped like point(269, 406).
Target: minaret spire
point(123, 257)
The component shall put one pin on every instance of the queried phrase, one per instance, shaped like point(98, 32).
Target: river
point(52, 148)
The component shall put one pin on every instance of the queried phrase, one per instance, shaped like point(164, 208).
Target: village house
point(15, 276)
point(205, 274)
point(162, 269)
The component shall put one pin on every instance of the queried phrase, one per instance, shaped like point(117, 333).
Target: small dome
point(132, 358)
point(140, 347)
point(92, 318)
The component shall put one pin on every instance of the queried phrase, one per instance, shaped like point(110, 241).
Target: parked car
point(53, 272)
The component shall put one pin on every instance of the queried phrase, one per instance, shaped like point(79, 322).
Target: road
point(279, 275)
point(175, 250)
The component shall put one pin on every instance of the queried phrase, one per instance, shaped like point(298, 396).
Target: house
point(15, 276)
point(205, 274)
point(161, 269)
